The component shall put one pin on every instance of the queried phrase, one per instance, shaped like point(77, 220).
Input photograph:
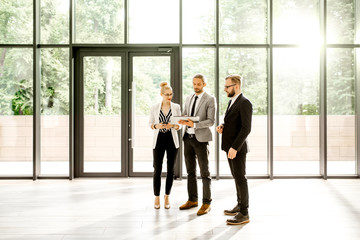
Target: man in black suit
point(234, 130)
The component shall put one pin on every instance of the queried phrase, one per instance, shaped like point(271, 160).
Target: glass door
point(98, 124)
point(114, 90)
point(147, 71)
point(102, 114)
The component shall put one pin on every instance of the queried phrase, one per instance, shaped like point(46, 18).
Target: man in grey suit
point(196, 141)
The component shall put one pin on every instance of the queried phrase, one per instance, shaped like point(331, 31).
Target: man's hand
point(188, 123)
point(232, 153)
point(219, 129)
point(168, 126)
point(182, 122)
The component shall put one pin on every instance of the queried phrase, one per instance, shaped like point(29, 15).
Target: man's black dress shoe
point(238, 219)
point(232, 212)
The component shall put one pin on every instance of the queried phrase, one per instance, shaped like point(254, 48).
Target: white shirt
point(233, 99)
point(190, 130)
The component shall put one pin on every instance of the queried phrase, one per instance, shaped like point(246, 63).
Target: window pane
point(54, 21)
point(296, 111)
point(341, 111)
point(199, 21)
point(154, 21)
point(102, 114)
point(16, 22)
point(99, 21)
point(340, 21)
point(296, 21)
point(200, 60)
point(55, 111)
point(251, 65)
point(243, 21)
point(148, 73)
point(16, 109)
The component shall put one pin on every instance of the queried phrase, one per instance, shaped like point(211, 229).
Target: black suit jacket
point(237, 125)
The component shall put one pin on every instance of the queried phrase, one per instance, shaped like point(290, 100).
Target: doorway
point(114, 90)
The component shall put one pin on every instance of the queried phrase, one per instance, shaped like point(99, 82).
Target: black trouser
point(192, 149)
point(164, 143)
point(238, 171)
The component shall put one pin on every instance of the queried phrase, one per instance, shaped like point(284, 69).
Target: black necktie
point(193, 107)
point(228, 106)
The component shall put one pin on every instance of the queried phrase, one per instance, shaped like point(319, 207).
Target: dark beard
point(231, 94)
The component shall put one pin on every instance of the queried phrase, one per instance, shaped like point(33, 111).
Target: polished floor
point(123, 209)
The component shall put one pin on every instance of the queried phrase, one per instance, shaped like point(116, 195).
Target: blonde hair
point(235, 78)
point(165, 86)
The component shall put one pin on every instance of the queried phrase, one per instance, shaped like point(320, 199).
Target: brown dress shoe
point(188, 205)
point(205, 208)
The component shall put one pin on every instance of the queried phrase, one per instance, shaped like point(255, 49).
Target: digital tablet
point(176, 119)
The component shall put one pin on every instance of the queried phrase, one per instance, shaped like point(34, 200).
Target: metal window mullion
point(357, 89)
point(217, 92)
point(270, 126)
point(53, 45)
point(36, 89)
point(179, 91)
point(71, 90)
point(72, 22)
point(16, 45)
point(177, 85)
point(130, 170)
point(125, 95)
point(345, 45)
point(126, 22)
point(323, 94)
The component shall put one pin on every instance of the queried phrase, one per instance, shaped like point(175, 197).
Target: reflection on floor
point(123, 209)
point(253, 167)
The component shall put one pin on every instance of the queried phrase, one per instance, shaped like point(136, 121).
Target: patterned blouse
point(164, 119)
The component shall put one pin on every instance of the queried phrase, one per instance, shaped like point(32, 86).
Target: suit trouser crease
point(194, 149)
point(238, 171)
point(165, 143)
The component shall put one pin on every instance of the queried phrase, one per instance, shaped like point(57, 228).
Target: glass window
point(148, 73)
point(198, 21)
point(243, 21)
point(55, 111)
point(296, 22)
point(16, 22)
point(54, 21)
point(250, 63)
point(200, 60)
point(102, 114)
point(340, 21)
point(99, 21)
point(154, 21)
point(296, 111)
point(341, 111)
point(16, 109)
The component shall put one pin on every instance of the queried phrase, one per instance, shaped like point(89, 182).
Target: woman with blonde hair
point(165, 139)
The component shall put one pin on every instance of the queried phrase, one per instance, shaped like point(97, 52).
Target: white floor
point(123, 209)
point(253, 167)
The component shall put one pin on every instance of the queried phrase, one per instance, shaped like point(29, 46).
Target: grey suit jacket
point(206, 112)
